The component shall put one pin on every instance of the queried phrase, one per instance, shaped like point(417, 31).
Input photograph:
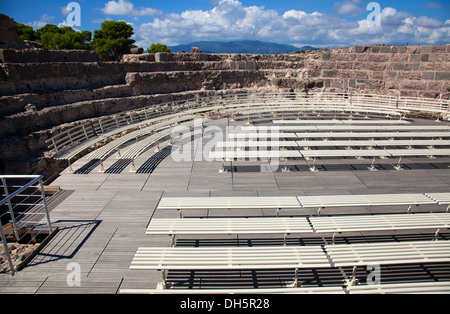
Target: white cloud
point(231, 20)
point(43, 20)
point(349, 7)
point(125, 7)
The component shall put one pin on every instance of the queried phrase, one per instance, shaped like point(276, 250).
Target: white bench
point(263, 144)
point(338, 122)
point(239, 202)
point(297, 202)
point(324, 201)
point(430, 153)
point(440, 198)
point(365, 223)
point(298, 225)
point(229, 258)
point(226, 226)
point(233, 155)
point(229, 226)
point(402, 288)
point(389, 253)
point(269, 133)
point(302, 290)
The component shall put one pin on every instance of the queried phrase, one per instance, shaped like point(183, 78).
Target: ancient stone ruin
point(45, 91)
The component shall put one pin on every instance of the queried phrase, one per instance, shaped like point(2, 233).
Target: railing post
point(6, 250)
point(47, 216)
point(11, 212)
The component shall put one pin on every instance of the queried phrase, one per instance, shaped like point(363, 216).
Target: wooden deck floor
point(103, 216)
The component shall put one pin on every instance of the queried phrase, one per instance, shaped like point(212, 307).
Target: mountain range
point(240, 46)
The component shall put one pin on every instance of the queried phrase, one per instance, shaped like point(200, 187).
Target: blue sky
point(318, 23)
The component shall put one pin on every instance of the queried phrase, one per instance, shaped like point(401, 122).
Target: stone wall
point(417, 71)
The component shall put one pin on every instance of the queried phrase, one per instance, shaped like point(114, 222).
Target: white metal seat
point(345, 153)
point(243, 144)
point(232, 155)
point(441, 199)
point(229, 258)
point(359, 128)
point(419, 152)
point(228, 226)
point(338, 122)
point(402, 288)
point(228, 202)
point(302, 290)
point(363, 200)
point(389, 253)
point(364, 223)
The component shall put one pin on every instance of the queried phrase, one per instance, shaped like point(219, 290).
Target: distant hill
point(240, 46)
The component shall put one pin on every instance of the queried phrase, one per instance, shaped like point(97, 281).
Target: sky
point(319, 23)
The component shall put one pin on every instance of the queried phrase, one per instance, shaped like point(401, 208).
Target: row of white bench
point(436, 287)
point(297, 257)
point(338, 128)
point(291, 257)
point(334, 143)
point(303, 202)
point(336, 153)
point(298, 225)
point(272, 133)
point(341, 122)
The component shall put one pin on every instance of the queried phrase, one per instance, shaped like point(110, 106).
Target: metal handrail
point(33, 180)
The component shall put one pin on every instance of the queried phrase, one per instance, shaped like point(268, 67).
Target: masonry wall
point(417, 71)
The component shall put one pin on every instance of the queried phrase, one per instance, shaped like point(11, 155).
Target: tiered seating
point(298, 257)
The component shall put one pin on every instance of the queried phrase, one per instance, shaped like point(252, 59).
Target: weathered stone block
point(385, 49)
point(378, 57)
point(361, 49)
point(8, 56)
point(161, 57)
point(439, 49)
point(327, 73)
point(326, 56)
point(443, 76)
point(415, 85)
point(428, 75)
point(399, 66)
point(424, 57)
point(414, 58)
point(426, 49)
point(413, 49)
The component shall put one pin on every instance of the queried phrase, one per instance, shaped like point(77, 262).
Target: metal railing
point(348, 101)
point(24, 217)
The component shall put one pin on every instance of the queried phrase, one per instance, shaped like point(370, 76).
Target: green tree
point(154, 48)
point(113, 40)
point(26, 32)
point(54, 37)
